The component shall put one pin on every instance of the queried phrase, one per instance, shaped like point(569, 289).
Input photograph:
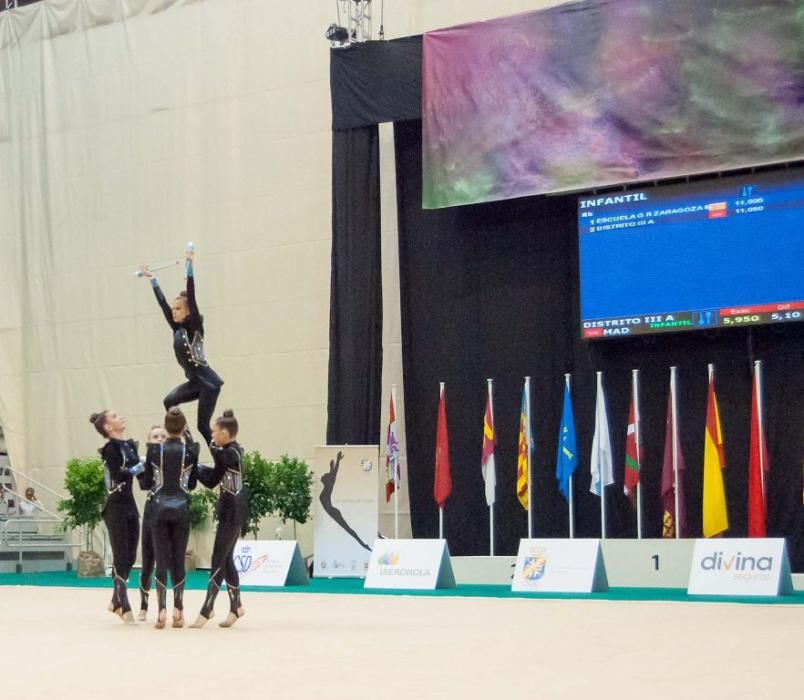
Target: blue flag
point(567, 457)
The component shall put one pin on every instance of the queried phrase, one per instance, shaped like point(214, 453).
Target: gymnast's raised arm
point(160, 297)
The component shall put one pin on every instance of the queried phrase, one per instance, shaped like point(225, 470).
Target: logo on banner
point(245, 562)
point(366, 465)
point(534, 566)
point(744, 567)
point(388, 564)
point(388, 559)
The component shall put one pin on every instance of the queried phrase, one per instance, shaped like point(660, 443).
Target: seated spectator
point(30, 504)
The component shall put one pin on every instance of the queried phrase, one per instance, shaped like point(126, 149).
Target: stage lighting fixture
point(336, 34)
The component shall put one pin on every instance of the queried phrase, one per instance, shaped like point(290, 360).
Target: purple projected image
point(590, 94)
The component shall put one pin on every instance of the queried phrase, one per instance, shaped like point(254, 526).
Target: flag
point(567, 457)
point(671, 520)
point(601, 462)
point(715, 517)
point(487, 457)
point(756, 492)
point(391, 454)
point(525, 442)
point(633, 454)
point(442, 487)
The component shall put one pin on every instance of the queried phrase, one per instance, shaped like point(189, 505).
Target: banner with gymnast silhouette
point(346, 509)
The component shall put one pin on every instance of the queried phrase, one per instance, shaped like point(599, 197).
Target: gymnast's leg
point(148, 561)
point(236, 609)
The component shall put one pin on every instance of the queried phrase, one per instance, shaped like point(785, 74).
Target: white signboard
point(559, 565)
point(346, 509)
point(740, 567)
point(410, 564)
point(270, 563)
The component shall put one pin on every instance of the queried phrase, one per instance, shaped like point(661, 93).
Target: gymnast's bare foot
point(200, 621)
point(231, 618)
point(160, 621)
point(178, 618)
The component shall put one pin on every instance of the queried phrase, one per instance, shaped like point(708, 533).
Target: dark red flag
point(757, 463)
point(442, 487)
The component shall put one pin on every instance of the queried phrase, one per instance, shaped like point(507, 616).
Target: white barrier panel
point(411, 564)
point(740, 567)
point(559, 566)
point(346, 509)
point(270, 563)
point(647, 563)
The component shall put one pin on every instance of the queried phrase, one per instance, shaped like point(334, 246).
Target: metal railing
point(28, 543)
point(99, 538)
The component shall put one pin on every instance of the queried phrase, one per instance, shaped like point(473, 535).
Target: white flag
point(601, 462)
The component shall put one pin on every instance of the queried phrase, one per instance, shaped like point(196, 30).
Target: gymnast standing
point(187, 323)
point(170, 473)
point(232, 511)
point(156, 436)
point(121, 463)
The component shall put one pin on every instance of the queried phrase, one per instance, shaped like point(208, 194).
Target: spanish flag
point(715, 518)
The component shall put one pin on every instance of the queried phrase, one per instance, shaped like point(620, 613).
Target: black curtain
point(375, 82)
point(491, 290)
point(355, 325)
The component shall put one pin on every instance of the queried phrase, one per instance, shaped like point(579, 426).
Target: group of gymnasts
point(168, 471)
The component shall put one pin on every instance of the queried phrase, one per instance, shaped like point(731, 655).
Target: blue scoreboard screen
point(721, 253)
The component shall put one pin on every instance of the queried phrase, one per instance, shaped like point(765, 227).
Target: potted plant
point(282, 488)
point(199, 515)
point(83, 481)
point(290, 481)
point(256, 477)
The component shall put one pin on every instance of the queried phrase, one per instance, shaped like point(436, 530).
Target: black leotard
point(120, 513)
point(170, 474)
point(232, 511)
point(203, 383)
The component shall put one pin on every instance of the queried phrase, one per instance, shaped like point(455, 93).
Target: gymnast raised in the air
point(187, 323)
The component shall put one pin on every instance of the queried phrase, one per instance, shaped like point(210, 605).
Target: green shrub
point(290, 481)
point(282, 489)
point(83, 480)
point(199, 508)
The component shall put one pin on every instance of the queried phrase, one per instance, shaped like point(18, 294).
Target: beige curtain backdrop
point(127, 129)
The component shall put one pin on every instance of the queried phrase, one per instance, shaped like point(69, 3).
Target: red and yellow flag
point(523, 452)
point(715, 517)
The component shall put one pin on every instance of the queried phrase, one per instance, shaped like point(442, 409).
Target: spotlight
point(336, 34)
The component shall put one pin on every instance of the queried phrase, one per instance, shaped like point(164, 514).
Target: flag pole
point(571, 480)
point(602, 485)
point(491, 506)
point(638, 441)
point(396, 473)
point(760, 427)
point(527, 438)
point(674, 409)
